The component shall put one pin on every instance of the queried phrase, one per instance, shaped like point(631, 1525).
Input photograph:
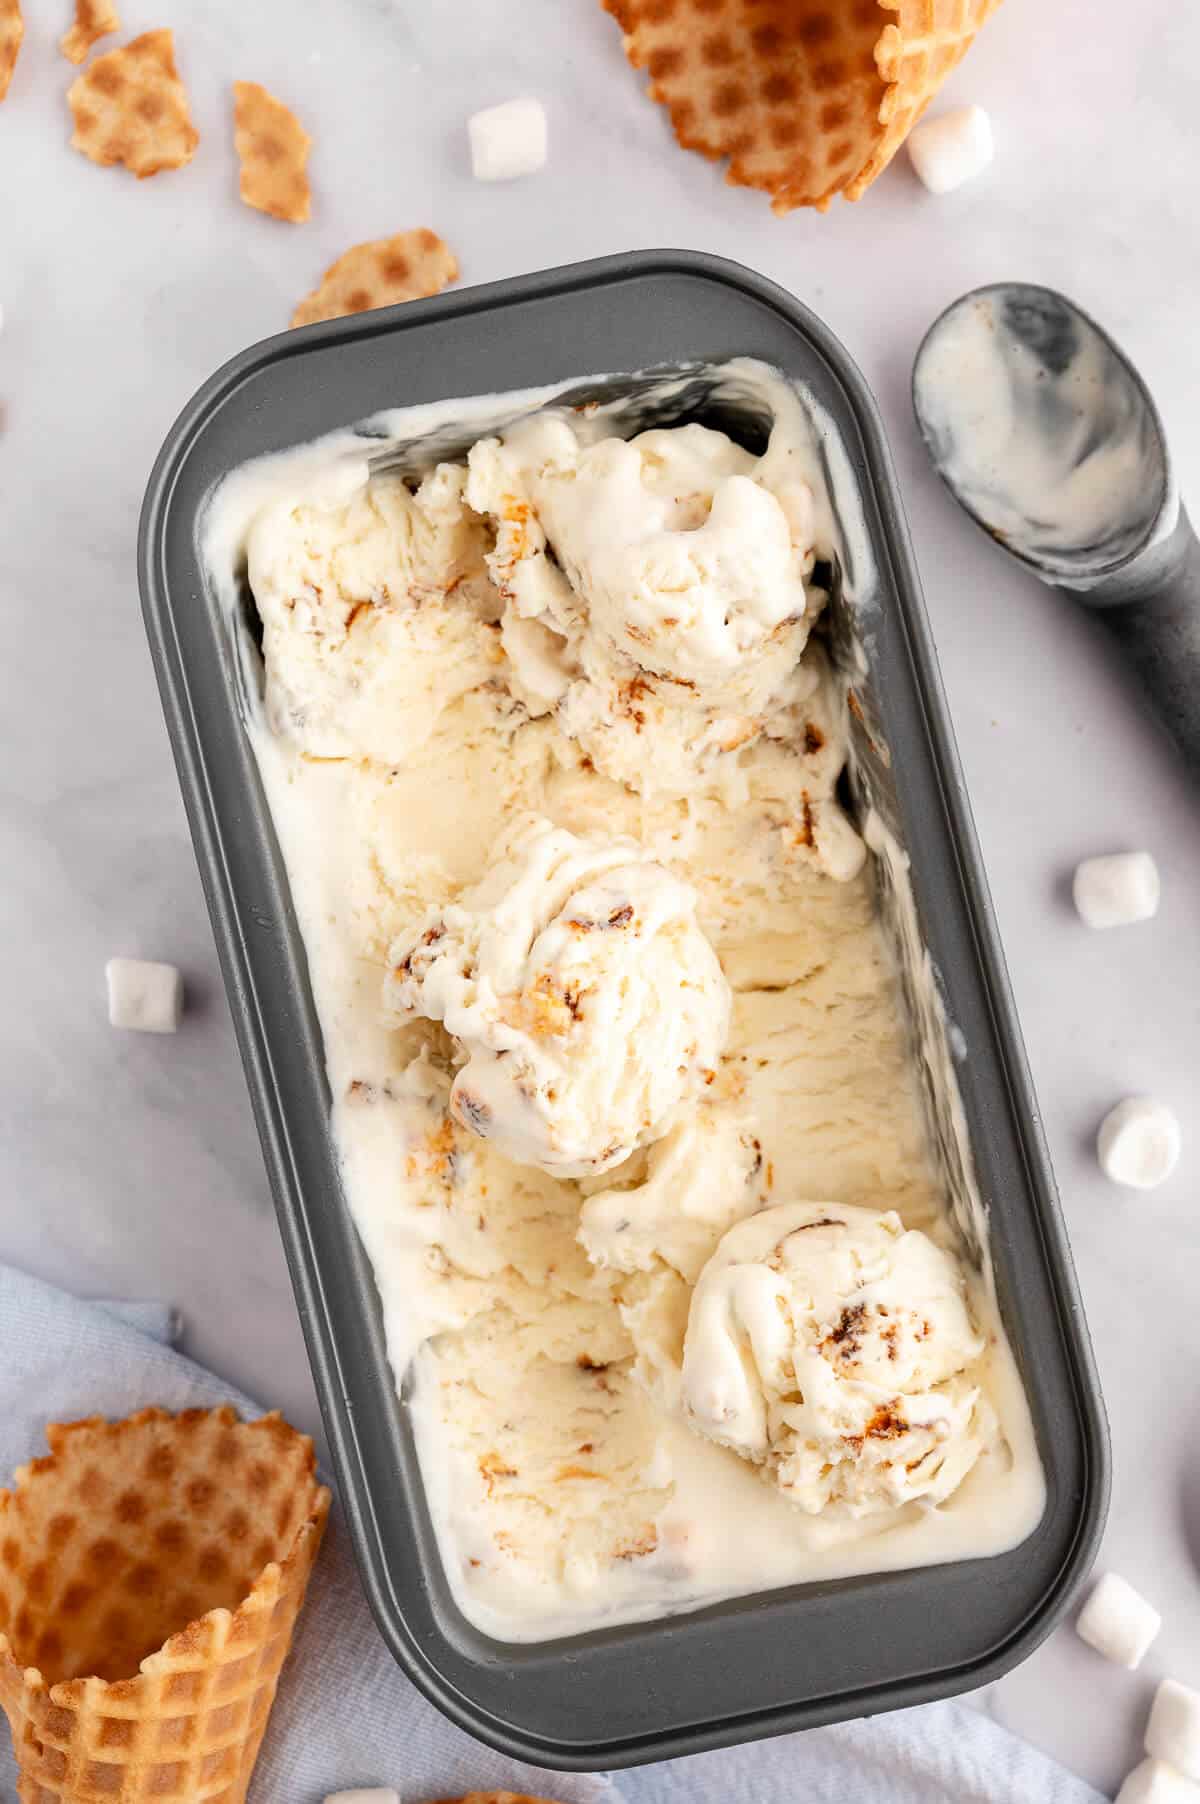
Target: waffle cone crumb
point(129, 106)
point(272, 148)
point(12, 30)
point(805, 98)
point(495, 1797)
point(379, 274)
point(94, 19)
point(151, 1572)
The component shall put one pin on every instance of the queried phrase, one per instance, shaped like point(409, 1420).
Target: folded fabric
point(161, 1321)
point(345, 1714)
point(936, 1754)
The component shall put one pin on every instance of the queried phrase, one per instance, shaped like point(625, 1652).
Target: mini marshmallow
point(1139, 1142)
point(949, 150)
point(507, 140)
point(1173, 1732)
point(1118, 1622)
point(144, 996)
point(1154, 1782)
point(380, 1794)
point(1117, 890)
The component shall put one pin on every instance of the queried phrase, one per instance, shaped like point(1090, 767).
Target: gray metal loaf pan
point(754, 1666)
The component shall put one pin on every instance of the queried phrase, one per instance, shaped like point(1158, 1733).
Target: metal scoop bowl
point(1045, 433)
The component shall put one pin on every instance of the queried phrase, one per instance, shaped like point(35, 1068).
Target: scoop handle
point(1155, 620)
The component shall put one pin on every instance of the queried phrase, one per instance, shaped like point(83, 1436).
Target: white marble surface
point(130, 1164)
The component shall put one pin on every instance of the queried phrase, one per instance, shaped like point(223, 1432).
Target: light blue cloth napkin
point(346, 1716)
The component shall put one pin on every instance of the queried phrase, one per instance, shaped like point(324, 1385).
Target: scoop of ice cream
point(663, 547)
point(830, 1345)
point(654, 588)
point(586, 1002)
point(690, 572)
point(374, 611)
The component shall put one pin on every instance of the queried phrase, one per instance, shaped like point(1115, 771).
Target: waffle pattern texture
point(151, 1573)
point(806, 99)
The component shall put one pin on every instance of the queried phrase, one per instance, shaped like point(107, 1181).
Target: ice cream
point(602, 986)
point(586, 1003)
point(702, 1176)
point(832, 1347)
point(356, 664)
point(694, 572)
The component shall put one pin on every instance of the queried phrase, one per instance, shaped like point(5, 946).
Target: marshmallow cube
point(949, 150)
point(1118, 890)
point(144, 996)
point(1154, 1782)
point(1139, 1142)
point(1173, 1732)
point(1118, 1622)
point(507, 140)
point(379, 1794)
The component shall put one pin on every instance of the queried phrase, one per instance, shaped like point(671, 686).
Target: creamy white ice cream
point(586, 1003)
point(552, 745)
point(358, 663)
point(702, 1176)
point(833, 1347)
point(694, 571)
point(690, 568)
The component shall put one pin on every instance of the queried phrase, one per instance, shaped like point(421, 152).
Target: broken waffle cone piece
point(272, 148)
point(94, 19)
point(129, 106)
point(12, 30)
point(806, 98)
point(151, 1572)
point(378, 274)
point(495, 1797)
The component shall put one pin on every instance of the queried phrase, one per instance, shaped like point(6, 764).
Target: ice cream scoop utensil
point(1045, 433)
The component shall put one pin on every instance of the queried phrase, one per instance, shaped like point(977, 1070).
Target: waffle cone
point(151, 1572)
point(806, 98)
